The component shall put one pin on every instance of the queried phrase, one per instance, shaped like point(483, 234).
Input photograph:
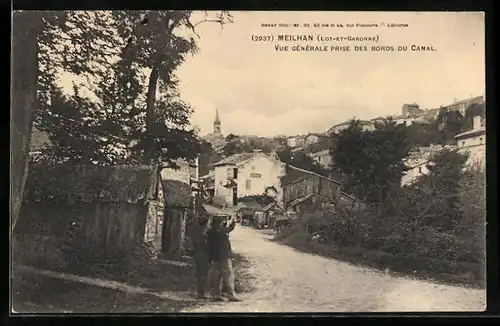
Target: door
point(235, 196)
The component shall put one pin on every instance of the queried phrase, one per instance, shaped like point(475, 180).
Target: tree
point(445, 172)
point(26, 27)
point(449, 123)
point(301, 160)
point(472, 111)
point(136, 115)
point(371, 162)
point(39, 51)
point(155, 46)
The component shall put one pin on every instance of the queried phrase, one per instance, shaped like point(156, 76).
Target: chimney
point(476, 122)
point(455, 100)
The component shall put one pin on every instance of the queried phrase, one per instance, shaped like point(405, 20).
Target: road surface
point(290, 281)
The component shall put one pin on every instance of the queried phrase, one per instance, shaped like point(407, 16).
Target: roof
point(316, 134)
point(176, 193)
point(212, 209)
point(467, 100)
point(240, 158)
point(294, 173)
point(361, 122)
point(235, 159)
point(422, 155)
point(320, 153)
point(471, 133)
point(249, 205)
point(270, 206)
point(210, 174)
point(69, 183)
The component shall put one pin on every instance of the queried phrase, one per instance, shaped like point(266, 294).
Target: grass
point(45, 294)
point(42, 294)
point(464, 274)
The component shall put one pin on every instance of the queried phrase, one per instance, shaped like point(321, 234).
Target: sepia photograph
point(247, 162)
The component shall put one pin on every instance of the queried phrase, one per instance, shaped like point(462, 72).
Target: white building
point(366, 125)
point(247, 174)
point(322, 157)
point(295, 141)
point(474, 142)
point(417, 162)
point(415, 170)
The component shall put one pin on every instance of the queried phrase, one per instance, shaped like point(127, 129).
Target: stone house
point(246, 174)
point(474, 142)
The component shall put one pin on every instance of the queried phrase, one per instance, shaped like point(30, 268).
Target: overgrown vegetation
point(434, 227)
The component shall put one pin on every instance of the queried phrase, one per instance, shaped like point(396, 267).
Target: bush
point(413, 233)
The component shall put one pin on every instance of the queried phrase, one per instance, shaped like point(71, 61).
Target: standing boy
point(221, 255)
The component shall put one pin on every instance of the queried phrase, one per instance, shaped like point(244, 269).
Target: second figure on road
point(221, 257)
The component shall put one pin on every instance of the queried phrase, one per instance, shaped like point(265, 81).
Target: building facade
point(366, 125)
point(418, 160)
point(473, 142)
point(246, 174)
point(411, 110)
point(295, 141)
point(462, 105)
point(323, 158)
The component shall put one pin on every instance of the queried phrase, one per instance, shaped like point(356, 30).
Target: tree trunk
point(150, 110)
point(25, 28)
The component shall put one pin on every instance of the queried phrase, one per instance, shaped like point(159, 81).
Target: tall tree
point(40, 47)
point(155, 46)
point(445, 173)
point(371, 162)
point(26, 27)
point(135, 113)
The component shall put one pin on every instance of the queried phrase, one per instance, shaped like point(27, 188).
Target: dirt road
point(290, 281)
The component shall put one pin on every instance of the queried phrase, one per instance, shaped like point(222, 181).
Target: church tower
point(216, 123)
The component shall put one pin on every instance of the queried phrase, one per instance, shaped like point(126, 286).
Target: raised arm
point(230, 227)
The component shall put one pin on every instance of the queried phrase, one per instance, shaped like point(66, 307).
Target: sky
point(264, 92)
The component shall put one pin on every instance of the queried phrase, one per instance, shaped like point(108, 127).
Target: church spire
point(217, 122)
point(217, 115)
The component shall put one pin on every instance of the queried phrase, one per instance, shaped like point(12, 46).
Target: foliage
point(371, 162)
point(301, 160)
point(260, 199)
point(435, 225)
point(444, 128)
point(131, 116)
point(64, 183)
point(242, 144)
point(324, 143)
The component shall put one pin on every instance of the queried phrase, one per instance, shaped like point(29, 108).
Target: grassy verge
point(42, 294)
point(46, 294)
point(464, 274)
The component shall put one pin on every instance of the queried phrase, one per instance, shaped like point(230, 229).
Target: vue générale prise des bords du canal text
point(306, 42)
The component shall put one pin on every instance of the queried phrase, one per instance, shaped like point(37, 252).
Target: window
point(248, 184)
point(255, 175)
point(481, 140)
point(463, 143)
point(235, 173)
point(419, 169)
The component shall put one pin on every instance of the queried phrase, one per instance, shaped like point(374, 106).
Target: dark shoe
point(218, 299)
point(234, 299)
